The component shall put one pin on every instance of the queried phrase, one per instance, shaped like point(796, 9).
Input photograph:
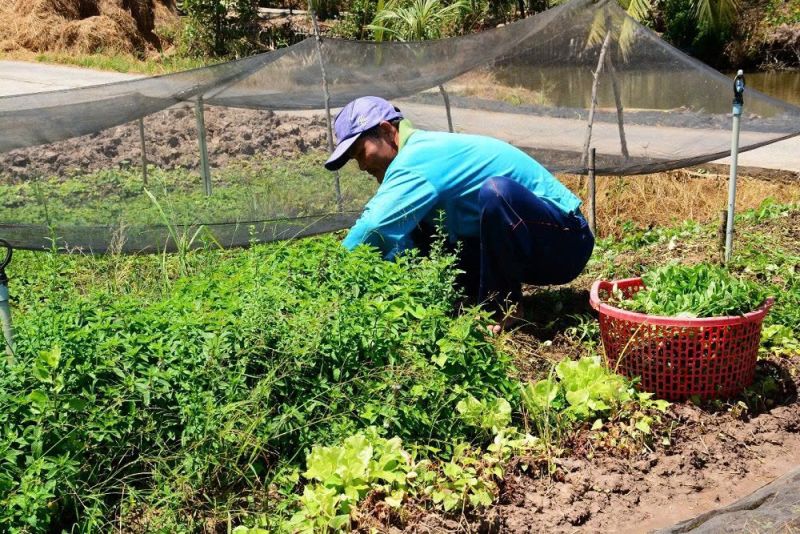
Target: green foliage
point(782, 12)
point(699, 27)
point(125, 63)
point(492, 416)
point(418, 20)
point(219, 28)
point(586, 390)
point(182, 395)
point(342, 475)
point(354, 24)
point(701, 290)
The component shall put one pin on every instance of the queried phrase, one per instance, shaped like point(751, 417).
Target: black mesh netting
point(70, 159)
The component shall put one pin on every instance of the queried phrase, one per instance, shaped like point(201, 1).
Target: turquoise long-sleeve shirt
point(439, 171)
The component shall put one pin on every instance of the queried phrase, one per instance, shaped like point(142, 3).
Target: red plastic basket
point(679, 358)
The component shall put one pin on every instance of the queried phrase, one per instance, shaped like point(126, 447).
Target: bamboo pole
point(318, 39)
point(446, 98)
point(144, 151)
point(592, 193)
point(588, 139)
point(618, 101)
point(201, 139)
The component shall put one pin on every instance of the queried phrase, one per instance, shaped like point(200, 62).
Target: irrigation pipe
point(5, 309)
point(318, 39)
point(738, 103)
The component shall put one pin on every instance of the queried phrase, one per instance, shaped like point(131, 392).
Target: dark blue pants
point(526, 239)
point(523, 239)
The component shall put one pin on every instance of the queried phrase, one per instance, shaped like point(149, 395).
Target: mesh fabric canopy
point(530, 83)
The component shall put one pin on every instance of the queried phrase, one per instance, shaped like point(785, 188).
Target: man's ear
point(389, 132)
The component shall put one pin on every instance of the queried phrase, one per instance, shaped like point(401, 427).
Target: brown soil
point(84, 26)
point(715, 460)
point(171, 142)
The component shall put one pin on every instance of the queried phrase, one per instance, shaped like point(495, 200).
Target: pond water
point(652, 89)
point(784, 85)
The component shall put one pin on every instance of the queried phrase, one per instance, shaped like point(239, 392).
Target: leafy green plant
point(701, 290)
point(193, 393)
point(417, 20)
point(489, 415)
point(342, 475)
point(586, 390)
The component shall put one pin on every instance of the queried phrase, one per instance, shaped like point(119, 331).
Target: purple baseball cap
point(354, 119)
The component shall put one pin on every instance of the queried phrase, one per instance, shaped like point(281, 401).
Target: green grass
point(126, 63)
point(256, 189)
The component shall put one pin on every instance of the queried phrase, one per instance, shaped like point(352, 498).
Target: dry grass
point(668, 198)
point(82, 26)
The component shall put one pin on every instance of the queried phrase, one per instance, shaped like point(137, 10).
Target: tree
point(220, 27)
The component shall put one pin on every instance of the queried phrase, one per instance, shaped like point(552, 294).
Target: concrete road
point(18, 77)
point(21, 77)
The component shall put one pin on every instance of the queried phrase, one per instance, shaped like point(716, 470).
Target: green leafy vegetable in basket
point(695, 291)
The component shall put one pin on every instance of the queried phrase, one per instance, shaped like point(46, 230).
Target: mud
point(171, 141)
point(713, 460)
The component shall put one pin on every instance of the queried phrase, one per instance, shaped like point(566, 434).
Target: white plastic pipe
point(738, 103)
point(5, 317)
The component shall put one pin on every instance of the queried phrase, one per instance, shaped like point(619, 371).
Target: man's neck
point(404, 131)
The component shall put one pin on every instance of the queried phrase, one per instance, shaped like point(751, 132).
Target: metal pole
point(327, 94)
point(5, 309)
point(144, 151)
point(738, 103)
point(592, 193)
point(446, 98)
point(201, 139)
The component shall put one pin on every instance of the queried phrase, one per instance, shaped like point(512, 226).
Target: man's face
point(374, 154)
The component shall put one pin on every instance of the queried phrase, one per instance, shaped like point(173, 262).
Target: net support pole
point(618, 101)
point(738, 103)
point(318, 38)
point(446, 99)
point(144, 151)
point(592, 196)
point(588, 138)
point(5, 309)
point(201, 139)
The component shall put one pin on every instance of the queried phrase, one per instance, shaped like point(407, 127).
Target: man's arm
point(389, 217)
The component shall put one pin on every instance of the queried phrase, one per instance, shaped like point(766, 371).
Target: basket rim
point(664, 320)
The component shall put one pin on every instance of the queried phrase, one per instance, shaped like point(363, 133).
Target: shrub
point(195, 394)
